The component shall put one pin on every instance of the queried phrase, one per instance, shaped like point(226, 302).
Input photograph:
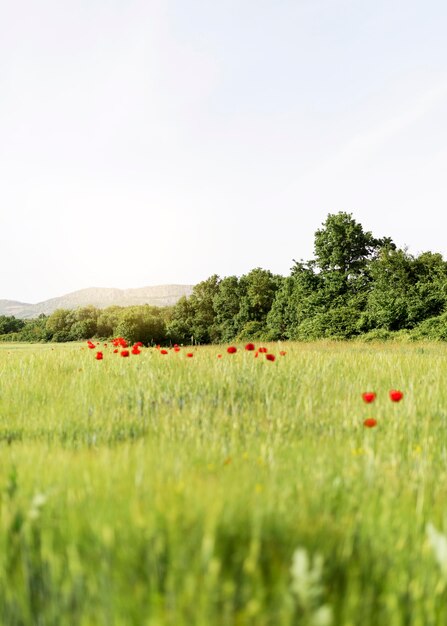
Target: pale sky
point(145, 142)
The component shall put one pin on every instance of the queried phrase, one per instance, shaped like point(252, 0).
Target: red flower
point(99, 356)
point(90, 345)
point(136, 350)
point(138, 344)
point(282, 352)
point(115, 351)
point(175, 346)
point(189, 354)
point(219, 356)
point(231, 349)
point(270, 357)
point(124, 352)
point(262, 350)
point(250, 346)
point(370, 422)
point(163, 351)
point(368, 396)
point(396, 395)
point(256, 354)
point(122, 342)
point(176, 349)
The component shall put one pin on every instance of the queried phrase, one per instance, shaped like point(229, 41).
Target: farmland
point(163, 490)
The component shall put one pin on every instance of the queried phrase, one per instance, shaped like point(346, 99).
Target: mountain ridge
point(100, 297)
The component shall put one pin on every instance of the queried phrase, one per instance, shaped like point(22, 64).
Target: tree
point(10, 324)
point(139, 323)
point(343, 246)
point(226, 305)
point(108, 321)
point(203, 315)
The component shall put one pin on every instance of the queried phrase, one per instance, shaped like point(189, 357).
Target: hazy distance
point(158, 142)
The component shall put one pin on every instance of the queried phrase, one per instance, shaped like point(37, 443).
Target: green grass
point(161, 490)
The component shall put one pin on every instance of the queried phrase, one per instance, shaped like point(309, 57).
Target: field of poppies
point(292, 484)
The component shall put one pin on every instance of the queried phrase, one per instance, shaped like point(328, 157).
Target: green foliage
point(343, 246)
point(140, 323)
point(9, 324)
point(356, 285)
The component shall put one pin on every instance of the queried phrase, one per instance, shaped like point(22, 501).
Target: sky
point(147, 142)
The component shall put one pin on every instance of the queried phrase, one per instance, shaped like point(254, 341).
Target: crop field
point(161, 489)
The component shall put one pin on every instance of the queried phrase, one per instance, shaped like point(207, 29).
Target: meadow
point(160, 490)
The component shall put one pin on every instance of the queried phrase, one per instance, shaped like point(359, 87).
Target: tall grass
point(161, 490)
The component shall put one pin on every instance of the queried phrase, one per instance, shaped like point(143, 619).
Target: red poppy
point(122, 342)
point(219, 356)
point(370, 422)
point(90, 345)
point(368, 396)
point(136, 350)
point(139, 344)
point(163, 351)
point(175, 345)
point(231, 349)
point(115, 351)
point(124, 352)
point(99, 356)
point(176, 349)
point(256, 354)
point(270, 357)
point(396, 395)
point(250, 346)
point(262, 350)
point(189, 354)
point(282, 352)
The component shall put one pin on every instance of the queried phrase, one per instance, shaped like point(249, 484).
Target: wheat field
point(162, 490)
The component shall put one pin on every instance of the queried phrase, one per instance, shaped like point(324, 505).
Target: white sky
point(145, 142)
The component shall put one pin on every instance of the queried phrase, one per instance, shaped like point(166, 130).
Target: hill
point(100, 297)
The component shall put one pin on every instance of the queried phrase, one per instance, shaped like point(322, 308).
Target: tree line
point(357, 285)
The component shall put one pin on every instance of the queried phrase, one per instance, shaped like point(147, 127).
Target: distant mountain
point(162, 295)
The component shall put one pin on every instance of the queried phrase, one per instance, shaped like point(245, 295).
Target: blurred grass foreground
point(162, 490)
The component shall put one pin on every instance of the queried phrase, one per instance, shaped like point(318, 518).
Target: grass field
point(164, 490)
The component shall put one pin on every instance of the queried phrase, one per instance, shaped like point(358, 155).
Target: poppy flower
point(136, 350)
point(368, 396)
point(124, 352)
point(138, 344)
point(219, 356)
point(122, 342)
point(231, 349)
point(189, 354)
point(370, 422)
point(163, 351)
point(115, 351)
point(175, 346)
point(176, 349)
point(270, 357)
point(256, 354)
point(99, 356)
point(396, 395)
point(282, 352)
point(250, 346)
point(262, 350)
point(90, 345)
